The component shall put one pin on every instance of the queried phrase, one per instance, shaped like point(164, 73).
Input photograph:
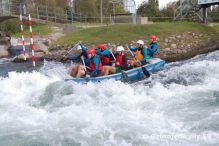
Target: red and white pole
point(22, 36)
point(32, 47)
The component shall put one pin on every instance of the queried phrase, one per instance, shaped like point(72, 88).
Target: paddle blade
point(146, 72)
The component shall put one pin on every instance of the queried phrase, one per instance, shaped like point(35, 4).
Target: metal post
point(134, 19)
point(114, 13)
point(55, 15)
point(181, 8)
point(204, 14)
point(72, 16)
point(101, 11)
point(38, 16)
point(1, 10)
point(80, 17)
point(66, 13)
point(46, 13)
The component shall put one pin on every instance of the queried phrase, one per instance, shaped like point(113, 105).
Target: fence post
point(55, 15)
point(80, 17)
point(66, 13)
point(85, 21)
point(47, 14)
point(38, 16)
point(72, 17)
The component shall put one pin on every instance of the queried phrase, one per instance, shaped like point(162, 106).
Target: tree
point(149, 9)
point(87, 7)
point(168, 10)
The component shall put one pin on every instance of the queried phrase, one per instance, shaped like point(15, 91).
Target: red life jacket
point(105, 60)
point(92, 66)
point(119, 59)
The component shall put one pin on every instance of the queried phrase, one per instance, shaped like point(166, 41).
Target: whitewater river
point(178, 106)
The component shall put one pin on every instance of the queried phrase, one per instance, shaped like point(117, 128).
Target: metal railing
point(52, 14)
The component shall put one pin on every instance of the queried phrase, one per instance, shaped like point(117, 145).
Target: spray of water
point(177, 106)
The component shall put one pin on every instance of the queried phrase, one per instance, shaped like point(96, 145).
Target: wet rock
point(179, 51)
point(166, 40)
point(20, 58)
point(39, 55)
point(47, 42)
point(167, 49)
point(4, 51)
point(178, 36)
point(174, 46)
point(4, 46)
point(41, 47)
point(55, 55)
point(184, 51)
point(14, 41)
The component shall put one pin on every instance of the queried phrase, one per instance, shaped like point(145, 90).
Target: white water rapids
point(178, 106)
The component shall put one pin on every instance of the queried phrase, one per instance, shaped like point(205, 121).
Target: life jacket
point(92, 65)
point(105, 60)
point(139, 55)
point(84, 53)
point(119, 59)
point(150, 51)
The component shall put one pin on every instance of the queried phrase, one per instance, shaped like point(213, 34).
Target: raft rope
point(31, 42)
point(22, 36)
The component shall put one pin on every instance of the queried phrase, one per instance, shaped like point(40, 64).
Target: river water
point(178, 106)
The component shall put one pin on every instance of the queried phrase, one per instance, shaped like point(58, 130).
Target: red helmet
point(90, 51)
point(153, 37)
point(101, 46)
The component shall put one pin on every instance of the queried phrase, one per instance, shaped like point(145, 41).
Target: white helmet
point(141, 42)
point(120, 48)
point(79, 47)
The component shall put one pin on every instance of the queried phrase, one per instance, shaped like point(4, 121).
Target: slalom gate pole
point(22, 36)
point(32, 47)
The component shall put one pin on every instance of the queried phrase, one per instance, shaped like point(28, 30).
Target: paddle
point(70, 51)
point(85, 69)
point(144, 70)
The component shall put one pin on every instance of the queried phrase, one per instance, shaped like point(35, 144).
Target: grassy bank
point(125, 33)
point(216, 27)
point(12, 27)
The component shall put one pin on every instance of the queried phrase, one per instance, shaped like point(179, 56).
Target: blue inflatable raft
point(132, 75)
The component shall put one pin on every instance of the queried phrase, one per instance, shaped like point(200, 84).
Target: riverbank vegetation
point(126, 33)
point(12, 28)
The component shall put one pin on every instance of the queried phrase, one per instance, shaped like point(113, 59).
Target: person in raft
point(95, 66)
point(104, 54)
point(73, 70)
point(153, 46)
point(141, 56)
point(120, 63)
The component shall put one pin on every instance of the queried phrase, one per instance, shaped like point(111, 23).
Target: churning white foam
point(179, 107)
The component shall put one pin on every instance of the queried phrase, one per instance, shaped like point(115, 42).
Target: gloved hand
point(117, 64)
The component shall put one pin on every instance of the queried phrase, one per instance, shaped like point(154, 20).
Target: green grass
point(12, 27)
point(125, 33)
point(216, 27)
point(39, 30)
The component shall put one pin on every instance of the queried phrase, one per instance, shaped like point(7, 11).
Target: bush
point(10, 26)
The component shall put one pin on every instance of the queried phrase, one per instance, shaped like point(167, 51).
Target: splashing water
point(177, 106)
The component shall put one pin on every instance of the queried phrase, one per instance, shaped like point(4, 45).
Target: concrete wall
point(143, 20)
point(5, 7)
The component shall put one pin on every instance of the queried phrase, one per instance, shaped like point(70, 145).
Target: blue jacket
point(153, 47)
point(96, 62)
point(144, 52)
point(105, 53)
point(78, 58)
